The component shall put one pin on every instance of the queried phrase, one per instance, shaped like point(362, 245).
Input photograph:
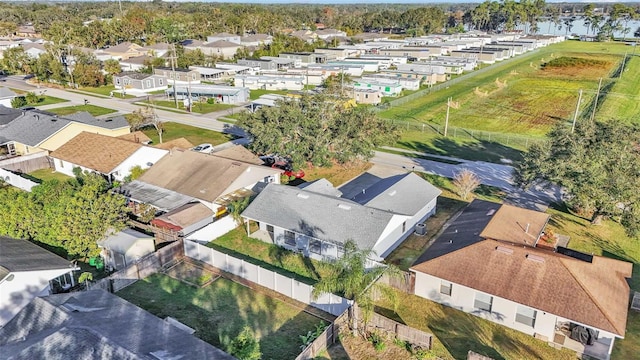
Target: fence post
point(213, 258)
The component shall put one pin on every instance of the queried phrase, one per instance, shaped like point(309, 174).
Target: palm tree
point(351, 278)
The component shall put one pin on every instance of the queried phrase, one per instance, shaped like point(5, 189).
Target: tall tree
point(351, 278)
point(598, 165)
point(318, 129)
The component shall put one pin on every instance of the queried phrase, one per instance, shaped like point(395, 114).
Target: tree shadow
point(480, 150)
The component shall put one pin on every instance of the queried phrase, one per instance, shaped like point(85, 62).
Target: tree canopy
point(72, 215)
point(598, 165)
point(318, 129)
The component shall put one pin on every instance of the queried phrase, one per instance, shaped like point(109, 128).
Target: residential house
point(192, 44)
point(220, 93)
point(158, 49)
point(325, 34)
point(98, 325)
point(185, 219)
point(209, 74)
point(281, 63)
point(406, 83)
point(305, 35)
point(179, 143)
point(268, 100)
point(6, 96)
point(489, 262)
point(233, 69)
point(426, 77)
point(109, 156)
point(8, 114)
point(222, 49)
point(33, 50)
point(366, 65)
point(387, 88)
point(27, 31)
point(259, 64)
point(369, 37)
point(270, 82)
point(125, 248)
point(182, 76)
point(136, 63)
point(126, 50)
point(233, 38)
point(305, 58)
point(317, 220)
point(136, 137)
point(366, 96)
point(27, 271)
point(256, 40)
point(213, 179)
point(37, 131)
point(133, 82)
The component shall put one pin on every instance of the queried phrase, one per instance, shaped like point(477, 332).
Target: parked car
point(282, 163)
point(203, 148)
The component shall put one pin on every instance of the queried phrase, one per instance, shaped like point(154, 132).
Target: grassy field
point(91, 109)
point(48, 174)
point(44, 99)
point(193, 134)
point(105, 91)
point(219, 310)
point(337, 174)
point(608, 239)
point(622, 102)
point(201, 108)
point(520, 98)
point(254, 94)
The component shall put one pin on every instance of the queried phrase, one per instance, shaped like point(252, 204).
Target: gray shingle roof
point(321, 186)
point(317, 215)
point(401, 194)
point(6, 93)
point(23, 255)
point(96, 325)
point(7, 115)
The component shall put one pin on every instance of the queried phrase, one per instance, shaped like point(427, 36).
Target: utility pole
point(173, 74)
point(189, 92)
point(446, 120)
point(575, 116)
point(595, 104)
point(624, 59)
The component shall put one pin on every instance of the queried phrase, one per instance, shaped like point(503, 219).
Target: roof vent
point(392, 193)
point(504, 250)
point(536, 258)
point(303, 196)
point(344, 206)
point(491, 212)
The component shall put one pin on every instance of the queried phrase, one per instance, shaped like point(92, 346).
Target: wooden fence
point(403, 332)
point(324, 340)
point(405, 283)
point(26, 163)
point(146, 266)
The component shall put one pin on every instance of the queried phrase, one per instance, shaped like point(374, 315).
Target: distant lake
point(548, 27)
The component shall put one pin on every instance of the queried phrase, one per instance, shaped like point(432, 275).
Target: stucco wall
point(142, 157)
point(70, 131)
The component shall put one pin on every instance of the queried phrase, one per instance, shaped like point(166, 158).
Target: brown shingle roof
point(595, 294)
point(136, 137)
point(94, 151)
point(180, 143)
point(515, 225)
point(240, 153)
point(186, 215)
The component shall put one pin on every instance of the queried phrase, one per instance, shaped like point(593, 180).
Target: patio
point(598, 350)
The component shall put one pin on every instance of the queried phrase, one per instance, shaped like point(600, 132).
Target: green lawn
point(254, 94)
point(608, 239)
point(91, 109)
point(219, 311)
point(44, 99)
point(48, 174)
point(456, 332)
point(201, 108)
point(105, 91)
point(518, 98)
point(238, 244)
point(622, 102)
point(193, 134)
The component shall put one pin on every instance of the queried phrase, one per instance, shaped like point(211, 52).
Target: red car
point(283, 164)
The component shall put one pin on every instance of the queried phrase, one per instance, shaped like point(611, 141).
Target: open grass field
point(193, 134)
point(91, 109)
point(610, 240)
point(622, 102)
point(219, 311)
point(519, 98)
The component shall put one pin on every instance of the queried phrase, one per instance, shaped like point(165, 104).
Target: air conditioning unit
point(421, 229)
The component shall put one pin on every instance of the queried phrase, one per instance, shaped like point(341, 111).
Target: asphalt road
point(497, 175)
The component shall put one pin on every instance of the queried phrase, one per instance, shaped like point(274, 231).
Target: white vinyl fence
point(16, 180)
point(292, 288)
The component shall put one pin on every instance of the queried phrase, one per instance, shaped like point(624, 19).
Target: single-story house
point(36, 131)
point(255, 40)
point(221, 48)
point(135, 81)
point(213, 179)
point(33, 50)
point(98, 325)
point(387, 88)
point(406, 83)
point(305, 58)
point(136, 63)
point(158, 49)
point(125, 248)
point(224, 36)
point(126, 50)
point(27, 271)
point(486, 263)
point(316, 221)
point(185, 219)
point(182, 76)
point(110, 156)
point(270, 82)
point(366, 96)
point(220, 93)
point(6, 95)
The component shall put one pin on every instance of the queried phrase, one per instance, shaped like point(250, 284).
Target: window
point(117, 81)
point(61, 163)
point(404, 227)
point(526, 316)
point(270, 230)
point(160, 82)
point(289, 238)
point(445, 288)
point(193, 76)
point(483, 302)
point(148, 83)
point(315, 246)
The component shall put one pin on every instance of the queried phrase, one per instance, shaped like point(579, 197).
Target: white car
point(203, 148)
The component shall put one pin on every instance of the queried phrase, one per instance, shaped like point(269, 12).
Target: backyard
point(91, 109)
point(505, 109)
point(218, 312)
point(48, 174)
point(193, 134)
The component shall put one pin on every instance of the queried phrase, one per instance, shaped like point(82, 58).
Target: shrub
point(377, 340)
point(211, 101)
point(18, 102)
point(245, 346)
